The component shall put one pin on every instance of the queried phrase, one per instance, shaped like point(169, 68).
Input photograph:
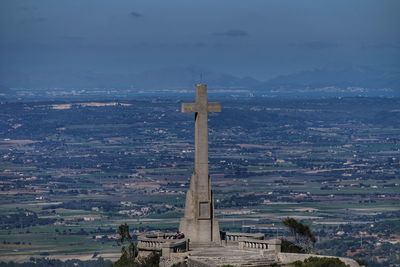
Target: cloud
point(194, 45)
point(315, 45)
point(386, 46)
point(73, 38)
point(27, 8)
point(33, 20)
point(233, 33)
point(135, 14)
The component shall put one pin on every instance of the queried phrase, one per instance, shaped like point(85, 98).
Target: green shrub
point(153, 260)
point(320, 262)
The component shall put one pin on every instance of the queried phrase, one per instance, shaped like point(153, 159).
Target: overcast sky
point(259, 38)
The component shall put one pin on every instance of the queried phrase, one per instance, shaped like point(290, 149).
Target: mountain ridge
point(186, 77)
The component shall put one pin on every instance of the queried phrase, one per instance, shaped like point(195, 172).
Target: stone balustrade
point(155, 244)
point(164, 243)
point(254, 244)
point(158, 236)
point(231, 237)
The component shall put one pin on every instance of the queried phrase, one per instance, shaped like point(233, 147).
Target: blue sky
point(259, 38)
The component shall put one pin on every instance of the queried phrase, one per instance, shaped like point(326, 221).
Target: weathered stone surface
point(199, 223)
point(213, 257)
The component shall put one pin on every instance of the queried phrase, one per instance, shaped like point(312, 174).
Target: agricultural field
point(72, 172)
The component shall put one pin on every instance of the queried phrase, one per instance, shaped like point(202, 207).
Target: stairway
point(241, 261)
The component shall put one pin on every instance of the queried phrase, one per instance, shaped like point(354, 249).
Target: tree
point(129, 252)
point(123, 231)
point(289, 247)
point(301, 232)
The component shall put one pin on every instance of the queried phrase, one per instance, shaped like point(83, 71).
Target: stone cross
point(199, 223)
point(201, 108)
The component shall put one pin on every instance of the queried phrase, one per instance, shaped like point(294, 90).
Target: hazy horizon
point(261, 39)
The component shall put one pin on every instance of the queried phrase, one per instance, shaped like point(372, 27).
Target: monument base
point(201, 233)
point(199, 224)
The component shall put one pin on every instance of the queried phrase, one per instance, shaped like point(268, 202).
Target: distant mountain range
point(166, 78)
point(186, 77)
point(340, 77)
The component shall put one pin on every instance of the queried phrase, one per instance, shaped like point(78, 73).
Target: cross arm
point(214, 107)
point(188, 107)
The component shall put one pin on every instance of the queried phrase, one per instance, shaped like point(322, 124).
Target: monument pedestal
point(197, 232)
point(199, 223)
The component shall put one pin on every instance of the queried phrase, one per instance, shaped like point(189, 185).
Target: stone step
point(240, 258)
point(258, 263)
point(197, 245)
point(245, 262)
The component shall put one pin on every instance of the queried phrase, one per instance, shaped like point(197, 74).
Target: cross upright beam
point(201, 108)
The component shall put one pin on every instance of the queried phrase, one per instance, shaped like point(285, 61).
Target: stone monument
point(201, 244)
point(199, 223)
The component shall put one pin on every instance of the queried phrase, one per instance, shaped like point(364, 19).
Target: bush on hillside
point(320, 262)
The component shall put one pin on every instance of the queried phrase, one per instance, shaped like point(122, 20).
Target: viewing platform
point(166, 243)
